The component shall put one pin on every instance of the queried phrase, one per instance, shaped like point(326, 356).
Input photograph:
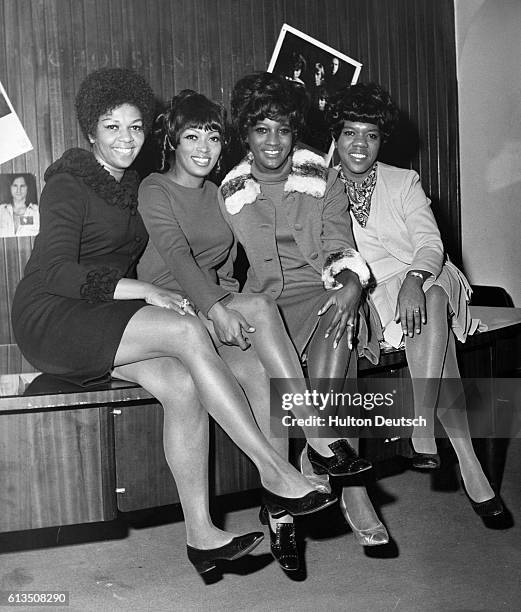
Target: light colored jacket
point(405, 224)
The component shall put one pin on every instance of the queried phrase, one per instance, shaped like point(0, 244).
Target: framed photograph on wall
point(14, 140)
point(19, 212)
point(319, 71)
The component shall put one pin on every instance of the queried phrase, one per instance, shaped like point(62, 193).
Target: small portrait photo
point(320, 71)
point(19, 213)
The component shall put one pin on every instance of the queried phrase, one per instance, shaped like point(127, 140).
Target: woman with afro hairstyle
point(420, 296)
point(80, 314)
point(289, 213)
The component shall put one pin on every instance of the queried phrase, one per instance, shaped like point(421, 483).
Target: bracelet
point(414, 273)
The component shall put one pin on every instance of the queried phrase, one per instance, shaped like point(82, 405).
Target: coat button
point(313, 255)
point(298, 227)
point(138, 239)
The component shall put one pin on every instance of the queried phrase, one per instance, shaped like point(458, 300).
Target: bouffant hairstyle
point(188, 109)
point(263, 95)
point(365, 103)
point(108, 88)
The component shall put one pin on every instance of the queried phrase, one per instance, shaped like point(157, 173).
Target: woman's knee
point(262, 307)
point(187, 330)
point(436, 296)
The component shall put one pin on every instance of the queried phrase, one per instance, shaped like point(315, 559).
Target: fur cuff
point(348, 259)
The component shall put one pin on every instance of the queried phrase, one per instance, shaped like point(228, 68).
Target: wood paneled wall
point(48, 46)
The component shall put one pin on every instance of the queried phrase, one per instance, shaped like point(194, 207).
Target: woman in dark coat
point(80, 313)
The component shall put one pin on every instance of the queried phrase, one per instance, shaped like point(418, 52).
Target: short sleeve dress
point(65, 319)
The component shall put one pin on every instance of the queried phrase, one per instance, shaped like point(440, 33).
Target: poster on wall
point(14, 140)
point(319, 71)
point(19, 212)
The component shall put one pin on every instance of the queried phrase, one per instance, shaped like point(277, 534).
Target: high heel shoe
point(374, 536)
point(205, 560)
point(296, 506)
point(344, 462)
point(424, 461)
point(319, 481)
point(283, 542)
point(489, 507)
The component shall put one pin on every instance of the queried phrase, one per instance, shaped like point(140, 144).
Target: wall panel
point(48, 46)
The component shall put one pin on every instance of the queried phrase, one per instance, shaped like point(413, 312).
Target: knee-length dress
point(64, 317)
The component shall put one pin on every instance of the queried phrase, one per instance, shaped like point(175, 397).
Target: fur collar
point(308, 175)
point(83, 164)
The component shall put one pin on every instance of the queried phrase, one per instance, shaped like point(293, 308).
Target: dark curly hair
point(188, 109)
point(263, 95)
point(108, 88)
point(366, 103)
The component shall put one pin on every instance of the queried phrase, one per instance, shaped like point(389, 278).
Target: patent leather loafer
point(344, 462)
point(424, 461)
point(205, 560)
point(485, 509)
point(297, 506)
point(283, 543)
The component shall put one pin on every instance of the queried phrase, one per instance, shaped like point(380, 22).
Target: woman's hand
point(165, 298)
point(230, 326)
point(346, 302)
point(410, 308)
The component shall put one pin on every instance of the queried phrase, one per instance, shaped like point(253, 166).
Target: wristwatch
point(414, 273)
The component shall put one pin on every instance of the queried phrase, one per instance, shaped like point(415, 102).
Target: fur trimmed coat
point(317, 213)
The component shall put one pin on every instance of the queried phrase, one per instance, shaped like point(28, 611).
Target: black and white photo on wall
point(319, 71)
point(14, 140)
point(19, 213)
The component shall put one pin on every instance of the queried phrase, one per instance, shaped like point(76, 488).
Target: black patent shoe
point(424, 461)
point(205, 560)
point(344, 462)
point(488, 508)
point(283, 543)
point(296, 506)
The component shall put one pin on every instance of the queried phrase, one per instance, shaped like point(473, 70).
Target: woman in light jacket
point(420, 296)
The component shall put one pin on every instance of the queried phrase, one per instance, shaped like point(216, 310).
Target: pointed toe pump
point(485, 509)
point(374, 536)
point(205, 560)
point(344, 462)
point(424, 461)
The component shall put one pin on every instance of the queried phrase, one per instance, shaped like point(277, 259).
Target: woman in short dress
point(420, 296)
point(191, 250)
point(80, 313)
